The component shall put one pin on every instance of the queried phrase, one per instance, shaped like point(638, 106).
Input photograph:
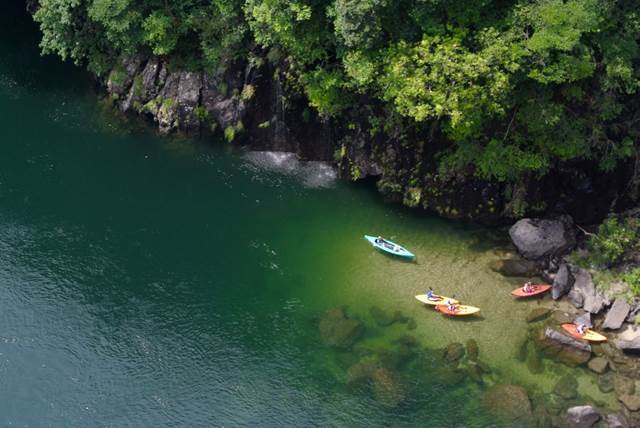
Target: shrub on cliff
point(614, 241)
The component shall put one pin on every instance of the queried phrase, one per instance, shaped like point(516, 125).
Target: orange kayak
point(537, 289)
point(461, 310)
point(589, 335)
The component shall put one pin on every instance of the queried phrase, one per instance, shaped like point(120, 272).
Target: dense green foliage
point(632, 279)
point(515, 86)
point(614, 241)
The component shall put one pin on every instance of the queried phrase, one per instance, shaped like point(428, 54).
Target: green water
point(149, 281)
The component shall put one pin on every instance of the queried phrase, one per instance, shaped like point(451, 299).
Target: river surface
point(147, 281)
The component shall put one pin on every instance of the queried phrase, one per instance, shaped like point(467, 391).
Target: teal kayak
point(390, 247)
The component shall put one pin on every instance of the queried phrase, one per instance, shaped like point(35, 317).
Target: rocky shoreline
point(545, 247)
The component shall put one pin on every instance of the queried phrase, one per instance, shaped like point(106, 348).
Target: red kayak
point(537, 289)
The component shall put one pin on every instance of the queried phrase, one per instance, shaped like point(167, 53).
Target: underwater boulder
point(563, 348)
point(455, 351)
point(338, 330)
point(566, 387)
point(509, 404)
point(472, 350)
point(514, 267)
point(386, 388)
point(361, 372)
point(381, 318)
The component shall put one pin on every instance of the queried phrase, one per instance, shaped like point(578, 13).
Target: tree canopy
point(515, 86)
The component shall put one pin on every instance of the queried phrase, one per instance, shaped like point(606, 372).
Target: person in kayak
point(451, 307)
point(380, 240)
point(581, 329)
point(528, 287)
point(433, 297)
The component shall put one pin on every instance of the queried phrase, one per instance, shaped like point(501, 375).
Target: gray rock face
point(629, 339)
point(582, 416)
point(576, 298)
point(593, 301)
point(562, 282)
point(539, 238)
point(563, 348)
point(617, 314)
point(188, 99)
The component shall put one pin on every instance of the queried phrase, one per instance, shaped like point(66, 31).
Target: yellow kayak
point(439, 300)
point(589, 335)
point(461, 310)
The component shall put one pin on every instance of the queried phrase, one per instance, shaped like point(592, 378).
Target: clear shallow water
point(149, 281)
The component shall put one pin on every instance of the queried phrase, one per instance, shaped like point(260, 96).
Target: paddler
point(433, 297)
point(451, 307)
point(581, 329)
point(528, 287)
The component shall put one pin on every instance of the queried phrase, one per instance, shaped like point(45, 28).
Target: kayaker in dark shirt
point(432, 296)
point(379, 240)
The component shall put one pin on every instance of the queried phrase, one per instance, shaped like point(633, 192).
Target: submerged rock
point(605, 382)
point(386, 388)
point(338, 330)
point(454, 352)
point(514, 267)
point(538, 314)
point(566, 387)
point(631, 402)
point(582, 416)
point(562, 282)
point(381, 318)
point(539, 238)
point(563, 348)
point(509, 404)
point(623, 385)
point(472, 350)
point(617, 314)
point(598, 365)
point(361, 372)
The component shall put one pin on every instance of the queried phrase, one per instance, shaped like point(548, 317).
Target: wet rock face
point(562, 282)
point(582, 417)
point(338, 330)
point(539, 238)
point(563, 348)
point(509, 404)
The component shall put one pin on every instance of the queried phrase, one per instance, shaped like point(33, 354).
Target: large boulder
point(514, 267)
point(629, 340)
point(540, 238)
point(594, 302)
point(509, 404)
point(338, 330)
point(582, 416)
point(562, 282)
point(563, 348)
point(617, 314)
